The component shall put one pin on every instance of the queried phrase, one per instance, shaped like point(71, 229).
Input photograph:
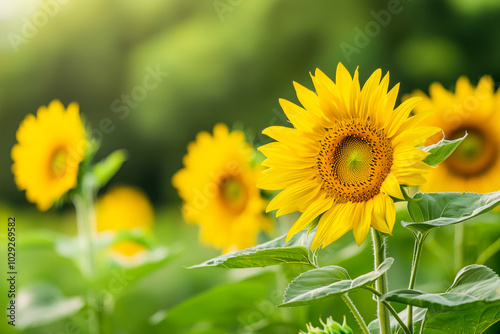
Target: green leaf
point(328, 281)
point(273, 252)
point(430, 210)
point(440, 151)
point(470, 305)
point(105, 169)
point(46, 305)
point(224, 305)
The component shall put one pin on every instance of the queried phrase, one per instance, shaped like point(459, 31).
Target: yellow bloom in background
point(475, 164)
point(218, 187)
point(124, 208)
point(49, 149)
point(347, 156)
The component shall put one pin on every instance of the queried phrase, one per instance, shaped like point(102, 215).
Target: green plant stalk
point(417, 252)
point(355, 312)
point(87, 231)
point(381, 283)
point(488, 252)
point(390, 308)
point(459, 246)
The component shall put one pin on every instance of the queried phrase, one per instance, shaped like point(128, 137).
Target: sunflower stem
point(381, 283)
point(459, 246)
point(489, 252)
point(87, 231)
point(390, 308)
point(417, 251)
point(356, 313)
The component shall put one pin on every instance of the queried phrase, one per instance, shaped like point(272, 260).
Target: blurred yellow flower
point(475, 165)
point(124, 208)
point(347, 156)
point(49, 149)
point(218, 186)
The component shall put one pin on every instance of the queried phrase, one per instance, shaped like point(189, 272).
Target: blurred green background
point(149, 75)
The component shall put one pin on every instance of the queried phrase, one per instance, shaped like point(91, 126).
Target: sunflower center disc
point(354, 159)
point(58, 162)
point(233, 194)
point(475, 156)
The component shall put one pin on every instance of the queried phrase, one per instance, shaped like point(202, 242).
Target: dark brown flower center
point(354, 160)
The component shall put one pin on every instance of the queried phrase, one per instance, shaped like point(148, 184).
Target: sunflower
point(347, 156)
point(49, 149)
point(475, 164)
point(124, 208)
point(218, 187)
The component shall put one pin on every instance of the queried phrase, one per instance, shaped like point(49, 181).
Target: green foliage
point(430, 210)
point(441, 150)
point(104, 170)
point(277, 251)
point(47, 304)
point(327, 282)
point(331, 327)
point(219, 307)
point(470, 305)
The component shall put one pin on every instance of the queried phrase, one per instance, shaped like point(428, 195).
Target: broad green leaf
point(429, 210)
point(224, 305)
point(328, 281)
point(277, 251)
point(440, 151)
point(43, 303)
point(470, 305)
point(105, 169)
point(473, 321)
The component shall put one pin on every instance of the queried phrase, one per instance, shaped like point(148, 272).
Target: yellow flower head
point(218, 186)
point(124, 208)
point(475, 164)
point(49, 149)
point(348, 154)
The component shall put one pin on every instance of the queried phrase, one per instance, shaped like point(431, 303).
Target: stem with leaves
point(381, 283)
point(390, 308)
point(87, 231)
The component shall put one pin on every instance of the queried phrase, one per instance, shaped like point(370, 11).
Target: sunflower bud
point(331, 327)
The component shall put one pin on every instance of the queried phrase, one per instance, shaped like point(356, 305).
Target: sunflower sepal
point(313, 224)
point(407, 198)
point(441, 150)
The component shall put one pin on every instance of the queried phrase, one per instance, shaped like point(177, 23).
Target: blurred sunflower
point(218, 187)
point(49, 149)
point(124, 208)
point(475, 164)
point(347, 156)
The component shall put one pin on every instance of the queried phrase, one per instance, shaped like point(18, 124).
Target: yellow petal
point(298, 116)
point(315, 209)
point(361, 227)
point(277, 178)
point(391, 187)
point(332, 225)
point(328, 96)
point(293, 138)
point(384, 214)
point(310, 102)
point(401, 114)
